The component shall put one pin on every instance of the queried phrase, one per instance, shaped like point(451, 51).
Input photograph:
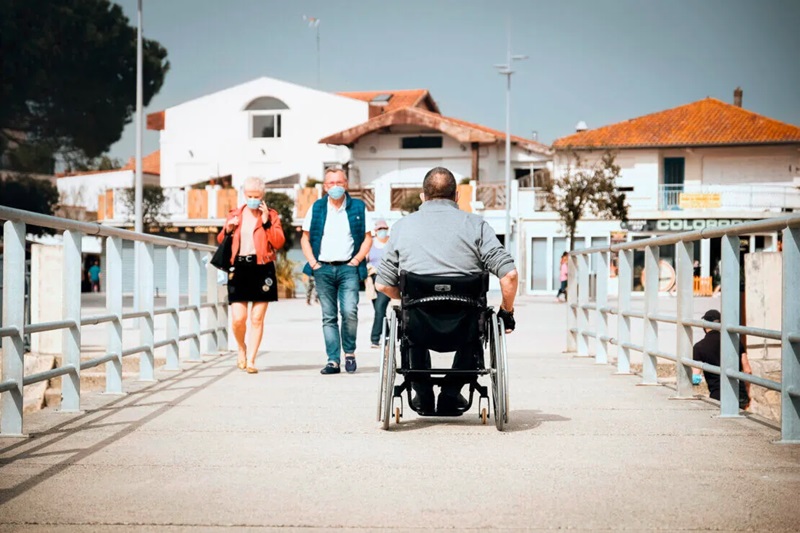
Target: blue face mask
point(382, 233)
point(253, 203)
point(336, 192)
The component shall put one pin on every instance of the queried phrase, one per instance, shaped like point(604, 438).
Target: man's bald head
point(440, 184)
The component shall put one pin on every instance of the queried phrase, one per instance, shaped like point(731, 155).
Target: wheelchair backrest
point(443, 313)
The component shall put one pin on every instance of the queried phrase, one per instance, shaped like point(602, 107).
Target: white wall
point(83, 190)
point(379, 156)
point(216, 130)
point(704, 167)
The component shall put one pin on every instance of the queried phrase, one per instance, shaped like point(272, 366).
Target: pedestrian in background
point(256, 235)
point(563, 276)
point(335, 243)
point(94, 276)
point(380, 301)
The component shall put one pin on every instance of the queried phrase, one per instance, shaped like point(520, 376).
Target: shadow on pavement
point(89, 420)
point(519, 420)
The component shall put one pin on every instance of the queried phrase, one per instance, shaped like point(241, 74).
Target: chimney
point(581, 126)
point(737, 97)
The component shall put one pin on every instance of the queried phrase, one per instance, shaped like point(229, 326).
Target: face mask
point(382, 233)
point(253, 203)
point(336, 192)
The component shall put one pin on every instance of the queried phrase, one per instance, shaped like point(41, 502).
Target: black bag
point(222, 257)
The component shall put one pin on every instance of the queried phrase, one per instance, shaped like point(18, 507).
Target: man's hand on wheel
point(508, 319)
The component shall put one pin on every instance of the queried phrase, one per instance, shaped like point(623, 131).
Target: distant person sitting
point(707, 350)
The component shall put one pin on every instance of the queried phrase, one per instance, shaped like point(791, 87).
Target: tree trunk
point(572, 239)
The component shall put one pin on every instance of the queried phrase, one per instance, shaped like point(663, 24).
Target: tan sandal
point(252, 370)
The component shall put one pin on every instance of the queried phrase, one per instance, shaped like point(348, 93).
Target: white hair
point(253, 183)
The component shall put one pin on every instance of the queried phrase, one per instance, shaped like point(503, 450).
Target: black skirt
point(251, 282)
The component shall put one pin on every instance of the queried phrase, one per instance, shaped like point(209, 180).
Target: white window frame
point(262, 113)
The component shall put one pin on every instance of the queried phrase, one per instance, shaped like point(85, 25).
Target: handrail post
point(623, 306)
point(601, 315)
point(13, 316)
point(194, 299)
point(684, 252)
point(790, 351)
point(572, 298)
point(649, 370)
point(71, 310)
point(146, 288)
point(583, 299)
point(173, 302)
point(211, 312)
point(222, 324)
point(114, 306)
point(729, 341)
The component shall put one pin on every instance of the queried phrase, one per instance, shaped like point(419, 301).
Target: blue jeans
point(379, 304)
point(337, 288)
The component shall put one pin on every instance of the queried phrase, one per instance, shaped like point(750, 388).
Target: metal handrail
point(580, 312)
point(212, 310)
point(95, 229)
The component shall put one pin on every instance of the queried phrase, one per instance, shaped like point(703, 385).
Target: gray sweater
point(440, 239)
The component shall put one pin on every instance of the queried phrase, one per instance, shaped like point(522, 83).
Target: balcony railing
point(759, 197)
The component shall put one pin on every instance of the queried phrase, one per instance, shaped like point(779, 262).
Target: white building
point(266, 127)
point(701, 164)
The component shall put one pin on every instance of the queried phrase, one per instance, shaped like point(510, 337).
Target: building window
point(410, 143)
point(266, 117)
point(266, 125)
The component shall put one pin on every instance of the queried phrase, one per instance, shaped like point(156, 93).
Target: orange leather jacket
point(266, 241)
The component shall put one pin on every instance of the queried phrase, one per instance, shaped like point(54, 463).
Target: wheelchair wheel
point(384, 345)
point(504, 373)
point(388, 374)
point(498, 373)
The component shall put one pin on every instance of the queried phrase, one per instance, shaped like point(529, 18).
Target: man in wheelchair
point(438, 241)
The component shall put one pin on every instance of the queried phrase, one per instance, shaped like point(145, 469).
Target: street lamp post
point(505, 69)
point(137, 184)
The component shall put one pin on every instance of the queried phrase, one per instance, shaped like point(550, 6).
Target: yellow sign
point(699, 200)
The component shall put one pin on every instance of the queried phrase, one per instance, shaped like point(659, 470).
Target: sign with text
point(688, 200)
point(667, 225)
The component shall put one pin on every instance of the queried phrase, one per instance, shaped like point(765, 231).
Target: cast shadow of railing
point(46, 442)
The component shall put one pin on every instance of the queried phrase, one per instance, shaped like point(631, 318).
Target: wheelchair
point(443, 314)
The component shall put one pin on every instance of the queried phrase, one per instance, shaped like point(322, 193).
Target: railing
point(493, 196)
point(581, 311)
point(14, 327)
point(761, 197)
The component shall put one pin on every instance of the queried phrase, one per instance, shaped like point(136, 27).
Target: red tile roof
point(156, 121)
point(151, 164)
point(460, 130)
point(707, 122)
point(406, 98)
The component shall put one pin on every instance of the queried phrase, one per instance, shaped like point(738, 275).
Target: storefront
point(545, 241)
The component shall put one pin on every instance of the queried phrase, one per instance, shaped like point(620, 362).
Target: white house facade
point(265, 128)
point(707, 163)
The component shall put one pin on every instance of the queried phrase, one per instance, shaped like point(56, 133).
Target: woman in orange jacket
point(256, 235)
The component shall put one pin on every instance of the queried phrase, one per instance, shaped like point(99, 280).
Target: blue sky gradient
point(591, 60)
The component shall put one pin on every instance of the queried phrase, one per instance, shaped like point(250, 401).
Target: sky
point(597, 61)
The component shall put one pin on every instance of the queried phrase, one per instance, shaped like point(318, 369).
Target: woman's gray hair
point(253, 183)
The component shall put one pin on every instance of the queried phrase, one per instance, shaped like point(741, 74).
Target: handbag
point(222, 256)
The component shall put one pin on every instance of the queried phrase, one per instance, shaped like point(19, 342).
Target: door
point(539, 263)
point(673, 182)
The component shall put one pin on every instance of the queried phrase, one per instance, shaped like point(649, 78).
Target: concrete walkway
point(212, 447)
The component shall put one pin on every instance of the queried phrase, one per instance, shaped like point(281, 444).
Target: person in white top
point(335, 243)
